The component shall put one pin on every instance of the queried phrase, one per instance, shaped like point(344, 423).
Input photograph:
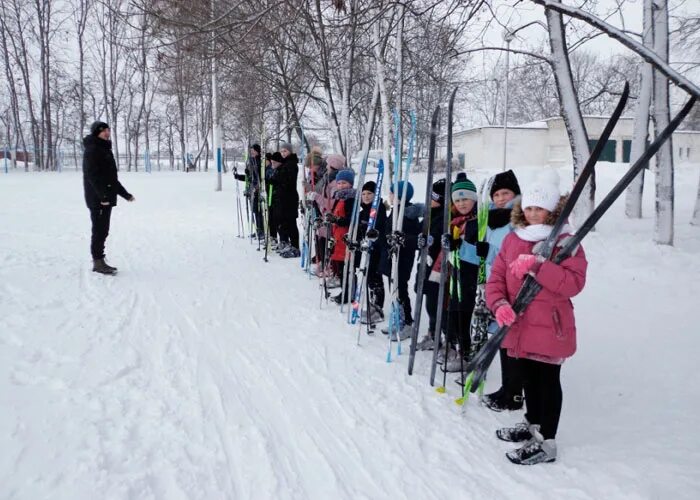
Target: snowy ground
point(202, 373)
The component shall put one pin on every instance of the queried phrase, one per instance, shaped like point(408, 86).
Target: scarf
point(539, 232)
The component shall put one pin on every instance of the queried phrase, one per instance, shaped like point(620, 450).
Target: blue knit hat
point(409, 190)
point(345, 175)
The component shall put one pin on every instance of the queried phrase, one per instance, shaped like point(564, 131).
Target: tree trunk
point(381, 81)
point(696, 213)
point(571, 112)
point(633, 202)
point(662, 116)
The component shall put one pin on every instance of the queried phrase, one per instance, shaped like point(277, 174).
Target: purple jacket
point(547, 329)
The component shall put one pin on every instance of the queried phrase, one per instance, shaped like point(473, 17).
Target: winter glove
point(330, 218)
point(445, 241)
point(482, 249)
point(524, 264)
point(505, 315)
point(372, 234)
point(423, 242)
point(396, 240)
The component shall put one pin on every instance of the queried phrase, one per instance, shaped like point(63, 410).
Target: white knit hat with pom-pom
point(543, 192)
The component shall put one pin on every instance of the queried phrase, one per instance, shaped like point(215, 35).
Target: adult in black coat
point(101, 186)
point(252, 180)
point(285, 196)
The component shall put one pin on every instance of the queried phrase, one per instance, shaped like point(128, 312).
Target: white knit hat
point(543, 192)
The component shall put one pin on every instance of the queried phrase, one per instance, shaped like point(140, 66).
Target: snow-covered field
point(200, 372)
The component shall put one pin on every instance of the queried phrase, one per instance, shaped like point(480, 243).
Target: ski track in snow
point(200, 372)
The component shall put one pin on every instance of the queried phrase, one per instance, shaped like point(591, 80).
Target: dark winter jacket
point(100, 181)
point(379, 225)
point(407, 255)
point(252, 173)
point(284, 185)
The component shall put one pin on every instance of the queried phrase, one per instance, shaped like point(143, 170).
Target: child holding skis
point(375, 282)
point(431, 290)
point(504, 193)
point(343, 202)
point(408, 243)
point(463, 229)
point(544, 335)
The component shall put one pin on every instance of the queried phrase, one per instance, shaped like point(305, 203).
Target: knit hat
point(287, 146)
point(268, 156)
point(438, 193)
point(409, 190)
point(463, 188)
point(505, 180)
point(543, 192)
point(370, 186)
point(256, 148)
point(335, 161)
point(97, 127)
point(345, 175)
point(277, 156)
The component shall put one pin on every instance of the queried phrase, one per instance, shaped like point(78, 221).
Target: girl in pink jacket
point(544, 335)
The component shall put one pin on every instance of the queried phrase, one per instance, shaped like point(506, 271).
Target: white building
point(546, 143)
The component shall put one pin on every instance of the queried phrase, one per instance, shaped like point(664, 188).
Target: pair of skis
point(366, 247)
point(425, 234)
point(398, 209)
point(479, 365)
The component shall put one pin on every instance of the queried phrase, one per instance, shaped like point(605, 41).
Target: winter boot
point(99, 266)
point(338, 299)
point(505, 402)
point(522, 431)
point(493, 396)
point(536, 451)
point(290, 253)
point(455, 365)
point(404, 333)
point(375, 315)
point(427, 343)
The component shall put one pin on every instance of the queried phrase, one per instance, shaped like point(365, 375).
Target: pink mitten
point(520, 266)
point(505, 315)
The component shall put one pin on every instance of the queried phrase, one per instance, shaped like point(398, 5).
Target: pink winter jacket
point(546, 330)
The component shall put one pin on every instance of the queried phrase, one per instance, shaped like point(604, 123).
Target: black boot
point(99, 266)
point(111, 268)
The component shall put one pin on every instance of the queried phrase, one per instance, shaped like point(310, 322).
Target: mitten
point(505, 315)
point(482, 249)
point(522, 265)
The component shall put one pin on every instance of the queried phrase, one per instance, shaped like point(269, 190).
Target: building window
point(680, 152)
point(687, 153)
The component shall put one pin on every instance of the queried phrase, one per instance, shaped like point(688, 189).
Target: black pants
point(287, 227)
point(100, 230)
point(543, 396)
point(257, 213)
point(511, 379)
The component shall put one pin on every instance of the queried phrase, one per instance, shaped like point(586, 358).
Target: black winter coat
point(411, 228)
point(252, 173)
point(284, 181)
point(100, 181)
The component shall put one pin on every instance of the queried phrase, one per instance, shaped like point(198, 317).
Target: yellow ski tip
point(441, 390)
point(460, 401)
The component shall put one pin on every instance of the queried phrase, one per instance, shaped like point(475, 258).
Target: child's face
point(343, 185)
point(464, 206)
point(284, 153)
point(536, 215)
point(254, 153)
point(367, 197)
point(502, 197)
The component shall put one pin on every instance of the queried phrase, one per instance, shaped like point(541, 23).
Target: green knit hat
point(463, 189)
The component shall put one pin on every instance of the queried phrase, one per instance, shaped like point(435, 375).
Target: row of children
point(539, 340)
